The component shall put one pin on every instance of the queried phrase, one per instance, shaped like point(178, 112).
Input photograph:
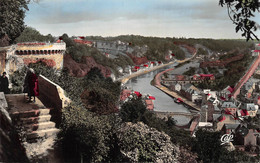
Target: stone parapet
point(53, 93)
point(41, 46)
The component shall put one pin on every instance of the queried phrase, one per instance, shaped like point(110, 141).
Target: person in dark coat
point(4, 84)
point(26, 82)
point(31, 81)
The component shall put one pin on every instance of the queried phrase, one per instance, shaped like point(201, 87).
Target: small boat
point(178, 100)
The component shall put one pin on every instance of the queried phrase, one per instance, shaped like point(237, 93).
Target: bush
point(17, 80)
point(86, 137)
point(30, 35)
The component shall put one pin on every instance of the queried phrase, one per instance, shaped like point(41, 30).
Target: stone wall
point(40, 46)
point(2, 61)
point(11, 149)
point(16, 56)
point(9, 62)
point(52, 96)
point(221, 63)
point(55, 60)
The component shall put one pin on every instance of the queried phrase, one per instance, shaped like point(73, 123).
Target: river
point(162, 102)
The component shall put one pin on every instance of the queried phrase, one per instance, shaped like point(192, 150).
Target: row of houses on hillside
point(171, 80)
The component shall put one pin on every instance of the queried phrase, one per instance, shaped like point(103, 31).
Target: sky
point(159, 18)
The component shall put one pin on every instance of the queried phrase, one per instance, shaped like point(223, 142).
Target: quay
point(165, 115)
point(141, 72)
point(175, 95)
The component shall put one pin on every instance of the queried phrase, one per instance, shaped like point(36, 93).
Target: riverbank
point(157, 84)
point(141, 72)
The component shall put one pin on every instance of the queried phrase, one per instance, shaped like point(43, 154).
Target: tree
point(30, 34)
point(241, 13)
point(101, 94)
point(12, 13)
point(85, 136)
point(133, 110)
point(207, 146)
point(140, 143)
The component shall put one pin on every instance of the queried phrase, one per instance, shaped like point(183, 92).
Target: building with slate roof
point(229, 128)
point(250, 109)
point(190, 92)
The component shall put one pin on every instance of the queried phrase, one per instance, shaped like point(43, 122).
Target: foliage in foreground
point(241, 13)
point(139, 142)
point(209, 149)
point(86, 136)
point(135, 111)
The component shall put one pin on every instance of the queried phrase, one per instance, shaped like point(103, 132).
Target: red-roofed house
point(138, 94)
point(152, 97)
point(225, 119)
point(222, 118)
point(180, 77)
point(196, 77)
point(223, 98)
point(230, 89)
point(125, 94)
point(245, 136)
point(244, 112)
point(207, 76)
point(231, 111)
point(135, 68)
point(226, 93)
point(107, 55)
point(146, 65)
point(257, 100)
point(149, 104)
point(81, 41)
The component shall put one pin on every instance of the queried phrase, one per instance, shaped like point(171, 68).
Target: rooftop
point(248, 106)
point(228, 104)
point(231, 126)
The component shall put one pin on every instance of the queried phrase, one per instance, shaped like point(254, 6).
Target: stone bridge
point(165, 115)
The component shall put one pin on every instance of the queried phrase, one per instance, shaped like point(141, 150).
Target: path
point(247, 75)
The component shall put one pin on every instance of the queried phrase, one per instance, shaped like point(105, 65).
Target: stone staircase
point(36, 123)
point(33, 118)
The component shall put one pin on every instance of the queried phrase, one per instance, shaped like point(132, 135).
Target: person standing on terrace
point(4, 84)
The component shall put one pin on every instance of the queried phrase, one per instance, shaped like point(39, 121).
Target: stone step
point(40, 126)
point(35, 120)
point(42, 133)
point(30, 113)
